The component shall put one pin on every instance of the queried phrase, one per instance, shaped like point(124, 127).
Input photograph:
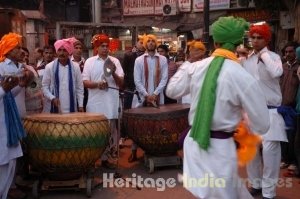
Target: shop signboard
point(198, 5)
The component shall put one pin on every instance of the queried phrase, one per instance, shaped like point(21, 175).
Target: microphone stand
point(120, 109)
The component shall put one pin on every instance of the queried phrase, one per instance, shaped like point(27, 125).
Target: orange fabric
point(7, 43)
point(196, 44)
point(247, 144)
point(263, 30)
point(146, 38)
point(225, 53)
point(98, 39)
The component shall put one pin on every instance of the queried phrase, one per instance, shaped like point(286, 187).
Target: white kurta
point(102, 101)
point(7, 154)
point(268, 75)
point(64, 93)
point(139, 78)
point(236, 91)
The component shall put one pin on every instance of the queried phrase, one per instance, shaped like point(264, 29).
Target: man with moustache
point(62, 82)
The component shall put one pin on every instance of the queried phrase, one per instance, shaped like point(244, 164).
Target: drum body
point(155, 130)
point(60, 143)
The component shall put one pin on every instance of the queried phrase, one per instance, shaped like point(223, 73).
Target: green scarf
point(229, 32)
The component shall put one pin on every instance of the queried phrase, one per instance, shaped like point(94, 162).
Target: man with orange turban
point(13, 78)
point(150, 78)
point(62, 82)
point(102, 99)
point(266, 67)
point(196, 52)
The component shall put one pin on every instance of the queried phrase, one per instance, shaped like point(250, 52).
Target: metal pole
point(206, 24)
point(98, 11)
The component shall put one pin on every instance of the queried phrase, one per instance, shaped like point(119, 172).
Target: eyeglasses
point(160, 51)
point(257, 37)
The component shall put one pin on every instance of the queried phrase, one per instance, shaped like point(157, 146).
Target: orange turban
point(98, 39)
point(196, 44)
point(141, 37)
point(9, 42)
point(263, 30)
point(146, 38)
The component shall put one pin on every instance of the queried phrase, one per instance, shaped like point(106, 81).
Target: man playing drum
point(62, 81)
point(150, 78)
point(13, 77)
point(220, 89)
point(101, 99)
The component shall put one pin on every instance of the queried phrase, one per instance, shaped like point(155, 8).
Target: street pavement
point(288, 188)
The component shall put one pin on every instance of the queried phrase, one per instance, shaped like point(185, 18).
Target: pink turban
point(67, 44)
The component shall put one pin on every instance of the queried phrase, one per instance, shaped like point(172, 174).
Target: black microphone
point(138, 96)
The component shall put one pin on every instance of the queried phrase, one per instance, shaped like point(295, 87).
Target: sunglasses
point(257, 37)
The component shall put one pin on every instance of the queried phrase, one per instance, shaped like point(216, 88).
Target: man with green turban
point(220, 89)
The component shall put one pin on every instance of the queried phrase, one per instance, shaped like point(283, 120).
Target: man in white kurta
point(150, 78)
point(212, 173)
point(10, 58)
point(57, 85)
point(102, 99)
point(266, 67)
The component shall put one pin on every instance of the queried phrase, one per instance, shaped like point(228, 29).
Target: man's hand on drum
point(55, 102)
point(102, 85)
point(151, 100)
point(9, 83)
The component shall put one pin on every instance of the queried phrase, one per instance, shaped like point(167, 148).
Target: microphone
point(138, 96)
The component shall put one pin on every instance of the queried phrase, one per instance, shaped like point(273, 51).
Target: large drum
point(60, 143)
point(156, 130)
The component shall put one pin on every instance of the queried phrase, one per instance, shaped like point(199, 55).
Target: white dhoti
point(7, 173)
point(263, 170)
point(213, 174)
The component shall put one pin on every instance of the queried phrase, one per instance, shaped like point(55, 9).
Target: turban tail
point(146, 38)
point(263, 30)
point(9, 42)
point(196, 44)
point(68, 44)
point(228, 31)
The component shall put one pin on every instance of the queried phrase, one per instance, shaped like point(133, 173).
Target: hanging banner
point(184, 5)
point(198, 5)
point(138, 7)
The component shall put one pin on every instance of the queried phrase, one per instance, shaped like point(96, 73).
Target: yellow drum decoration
point(59, 143)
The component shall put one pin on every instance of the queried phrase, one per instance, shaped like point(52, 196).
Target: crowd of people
point(235, 83)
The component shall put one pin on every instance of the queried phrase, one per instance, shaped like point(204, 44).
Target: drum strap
point(157, 72)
